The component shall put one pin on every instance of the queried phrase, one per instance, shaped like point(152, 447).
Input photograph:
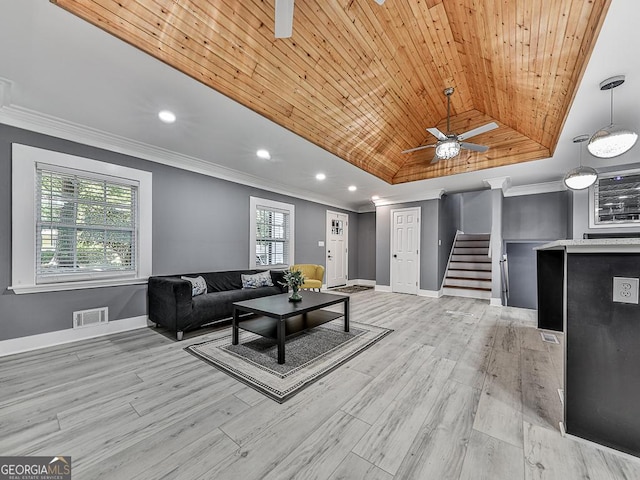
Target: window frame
point(254, 203)
point(593, 202)
point(24, 220)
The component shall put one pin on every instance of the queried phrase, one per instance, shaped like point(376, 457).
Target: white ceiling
point(66, 77)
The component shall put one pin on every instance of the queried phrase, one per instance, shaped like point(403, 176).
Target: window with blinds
point(86, 225)
point(272, 236)
point(616, 200)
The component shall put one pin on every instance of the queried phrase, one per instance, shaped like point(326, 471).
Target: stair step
point(472, 243)
point(484, 274)
point(466, 292)
point(474, 236)
point(470, 258)
point(470, 251)
point(484, 284)
point(485, 266)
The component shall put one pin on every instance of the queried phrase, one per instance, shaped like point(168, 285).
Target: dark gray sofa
point(172, 306)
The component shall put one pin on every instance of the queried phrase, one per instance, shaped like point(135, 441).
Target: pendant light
point(580, 177)
point(613, 140)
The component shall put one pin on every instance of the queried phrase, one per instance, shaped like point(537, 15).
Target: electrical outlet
point(625, 290)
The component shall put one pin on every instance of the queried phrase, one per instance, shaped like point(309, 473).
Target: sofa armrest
point(277, 276)
point(169, 301)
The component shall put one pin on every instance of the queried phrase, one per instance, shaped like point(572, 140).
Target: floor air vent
point(87, 318)
point(549, 338)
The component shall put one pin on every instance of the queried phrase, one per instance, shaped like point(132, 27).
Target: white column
point(498, 186)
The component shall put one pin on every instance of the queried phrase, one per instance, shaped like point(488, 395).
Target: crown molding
point(415, 197)
point(535, 188)
point(498, 183)
point(38, 122)
point(5, 92)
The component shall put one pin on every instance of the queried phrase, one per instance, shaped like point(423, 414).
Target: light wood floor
point(459, 390)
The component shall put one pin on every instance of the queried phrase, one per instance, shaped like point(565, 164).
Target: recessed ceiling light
point(167, 116)
point(375, 197)
point(263, 154)
point(352, 188)
point(320, 176)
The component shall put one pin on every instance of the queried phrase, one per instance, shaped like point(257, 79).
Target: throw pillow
point(262, 279)
point(198, 285)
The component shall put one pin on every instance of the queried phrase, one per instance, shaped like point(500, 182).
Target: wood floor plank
point(356, 468)
point(488, 458)
point(320, 454)
point(389, 439)
point(375, 398)
point(441, 444)
point(540, 401)
point(152, 455)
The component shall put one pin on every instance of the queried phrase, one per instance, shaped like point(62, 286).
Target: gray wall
point(366, 248)
point(476, 212)
point(581, 218)
point(449, 223)
point(200, 224)
point(428, 243)
point(536, 217)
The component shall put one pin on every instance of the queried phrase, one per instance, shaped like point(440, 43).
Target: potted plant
point(294, 280)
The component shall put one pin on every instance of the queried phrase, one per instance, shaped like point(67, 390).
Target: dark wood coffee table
point(278, 318)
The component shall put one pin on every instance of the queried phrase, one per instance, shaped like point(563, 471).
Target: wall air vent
point(87, 318)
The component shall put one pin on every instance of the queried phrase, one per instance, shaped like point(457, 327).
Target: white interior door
point(337, 250)
point(405, 251)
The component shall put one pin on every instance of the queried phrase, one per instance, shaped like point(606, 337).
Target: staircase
point(469, 270)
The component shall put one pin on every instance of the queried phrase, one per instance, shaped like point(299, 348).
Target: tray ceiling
point(363, 81)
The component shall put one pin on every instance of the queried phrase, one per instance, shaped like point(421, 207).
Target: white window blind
point(86, 225)
point(273, 234)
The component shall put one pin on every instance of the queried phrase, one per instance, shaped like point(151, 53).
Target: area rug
point(308, 356)
point(352, 289)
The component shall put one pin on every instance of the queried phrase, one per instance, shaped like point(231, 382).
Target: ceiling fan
point(449, 144)
point(284, 17)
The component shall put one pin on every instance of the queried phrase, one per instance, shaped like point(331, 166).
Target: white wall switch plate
point(320, 243)
point(625, 290)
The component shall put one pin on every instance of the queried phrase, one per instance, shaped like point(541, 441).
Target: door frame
point(327, 234)
point(418, 211)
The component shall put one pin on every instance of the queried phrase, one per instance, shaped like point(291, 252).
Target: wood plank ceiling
point(363, 81)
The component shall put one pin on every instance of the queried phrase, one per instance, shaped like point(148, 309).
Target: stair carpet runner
point(469, 270)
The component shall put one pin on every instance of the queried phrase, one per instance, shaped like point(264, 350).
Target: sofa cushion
point(257, 280)
point(198, 285)
point(219, 305)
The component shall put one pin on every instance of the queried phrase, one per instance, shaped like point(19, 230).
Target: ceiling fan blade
point(434, 160)
point(418, 148)
point(437, 133)
point(478, 131)
point(474, 147)
point(284, 18)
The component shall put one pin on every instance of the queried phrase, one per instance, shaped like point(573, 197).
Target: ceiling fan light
point(580, 178)
point(611, 141)
point(447, 148)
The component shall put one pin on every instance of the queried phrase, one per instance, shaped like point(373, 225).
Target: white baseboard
point(383, 288)
point(495, 302)
point(60, 337)
point(362, 281)
point(430, 293)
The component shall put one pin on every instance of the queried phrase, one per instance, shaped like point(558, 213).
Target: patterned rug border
point(281, 387)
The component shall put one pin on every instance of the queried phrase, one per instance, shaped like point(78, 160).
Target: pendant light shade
point(580, 177)
point(612, 140)
point(448, 148)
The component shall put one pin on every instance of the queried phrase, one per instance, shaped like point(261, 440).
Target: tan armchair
point(313, 275)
